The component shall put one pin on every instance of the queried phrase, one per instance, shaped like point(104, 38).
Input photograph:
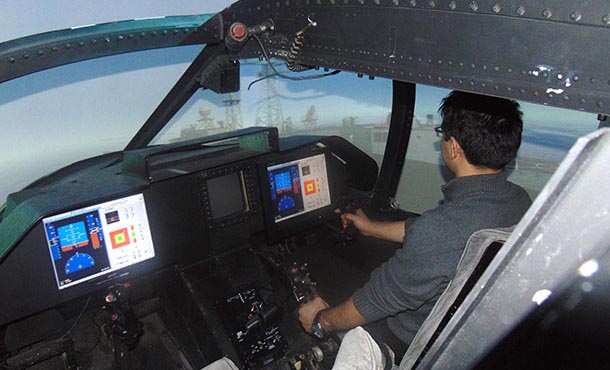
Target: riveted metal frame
point(531, 50)
point(35, 53)
point(535, 51)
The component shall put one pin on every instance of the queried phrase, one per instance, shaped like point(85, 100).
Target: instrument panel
point(179, 220)
point(97, 240)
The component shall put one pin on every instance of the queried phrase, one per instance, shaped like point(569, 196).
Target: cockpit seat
point(223, 363)
point(480, 249)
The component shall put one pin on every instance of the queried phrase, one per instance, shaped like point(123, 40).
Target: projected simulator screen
point(298, 187)
point(97, 240)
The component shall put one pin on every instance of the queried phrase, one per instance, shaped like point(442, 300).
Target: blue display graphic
point(285, 187)
point(53, 241)
point(78, 246)
point(282, 181)
point(286, 203)
point(72, 234)
point(79, 262)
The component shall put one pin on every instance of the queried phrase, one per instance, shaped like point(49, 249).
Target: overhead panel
point(548, 52)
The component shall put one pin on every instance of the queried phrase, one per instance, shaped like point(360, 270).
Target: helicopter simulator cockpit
point(172, 185)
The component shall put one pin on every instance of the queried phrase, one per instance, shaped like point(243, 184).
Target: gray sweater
point(405, 288)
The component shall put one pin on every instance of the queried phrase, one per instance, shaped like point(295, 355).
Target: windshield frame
point(38, 52)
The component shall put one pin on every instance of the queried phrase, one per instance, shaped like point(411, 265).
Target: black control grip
point(303, 288)
point(352, 204)
point(263, 318)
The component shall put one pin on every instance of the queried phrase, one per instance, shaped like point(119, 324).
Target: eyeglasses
point(439, 131)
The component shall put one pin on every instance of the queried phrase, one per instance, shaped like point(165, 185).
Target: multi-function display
point(298, 187)
point(94, 241)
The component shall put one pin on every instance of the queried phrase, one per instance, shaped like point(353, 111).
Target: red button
point(238, 31)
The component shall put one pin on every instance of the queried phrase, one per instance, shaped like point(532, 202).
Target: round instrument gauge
point(78, 262)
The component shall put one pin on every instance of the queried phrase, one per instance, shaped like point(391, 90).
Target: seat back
point(480, 249)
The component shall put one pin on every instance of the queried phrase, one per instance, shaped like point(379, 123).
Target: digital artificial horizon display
point(298, 187)
point(94, 241)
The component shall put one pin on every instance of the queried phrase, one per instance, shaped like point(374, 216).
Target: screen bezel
point(102, 276)
point(278, 230)
point(246, 173)
point(245, 206)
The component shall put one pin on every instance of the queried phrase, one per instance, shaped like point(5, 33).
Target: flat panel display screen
point(94, 241)
point(298, 187)
point(226, 194)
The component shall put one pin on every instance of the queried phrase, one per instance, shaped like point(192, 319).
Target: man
point(480, 136)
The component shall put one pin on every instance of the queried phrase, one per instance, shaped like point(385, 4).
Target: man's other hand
point(309, 310)
point(393, 231)
point(359, 219)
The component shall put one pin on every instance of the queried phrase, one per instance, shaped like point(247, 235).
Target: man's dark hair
point(487, 128)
